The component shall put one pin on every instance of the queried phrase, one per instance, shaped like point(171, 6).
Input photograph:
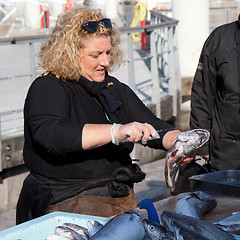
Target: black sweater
point(55, 113)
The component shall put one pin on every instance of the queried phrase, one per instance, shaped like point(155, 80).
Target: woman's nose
point(105, 60)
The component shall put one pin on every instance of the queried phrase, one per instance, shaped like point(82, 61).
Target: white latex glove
point(133, 132)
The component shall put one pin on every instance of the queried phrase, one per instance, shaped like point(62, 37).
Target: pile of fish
point(186, 143)
point(184, 223)
point(128, 226)
point(74, 231)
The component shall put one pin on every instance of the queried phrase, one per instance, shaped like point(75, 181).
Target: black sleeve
point(203, 92)
point(138, 111)
point(46, 114)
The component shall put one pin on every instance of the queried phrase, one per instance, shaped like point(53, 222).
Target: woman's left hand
point(189, 158)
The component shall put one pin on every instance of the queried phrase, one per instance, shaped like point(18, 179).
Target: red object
point(42, 18)
point(68, 6)
point(143, 36)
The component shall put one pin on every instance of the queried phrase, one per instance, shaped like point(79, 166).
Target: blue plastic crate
point(40, 228)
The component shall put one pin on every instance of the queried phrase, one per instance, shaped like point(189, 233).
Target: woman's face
point(95, 58)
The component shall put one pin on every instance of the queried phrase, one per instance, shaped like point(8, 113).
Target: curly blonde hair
point(61, 52)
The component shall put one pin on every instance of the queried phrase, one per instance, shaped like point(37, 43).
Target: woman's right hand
point(97, 135)
point(133, 132)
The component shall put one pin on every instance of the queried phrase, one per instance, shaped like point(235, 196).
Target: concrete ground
point(153, 187)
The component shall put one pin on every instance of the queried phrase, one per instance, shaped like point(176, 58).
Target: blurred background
point(161, 41)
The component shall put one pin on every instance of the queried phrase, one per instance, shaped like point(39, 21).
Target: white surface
point(32, 14)
point(192, 31)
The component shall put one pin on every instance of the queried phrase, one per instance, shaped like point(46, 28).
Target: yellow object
point(140, 11)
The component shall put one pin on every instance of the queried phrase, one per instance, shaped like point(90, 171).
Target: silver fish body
point(230, 224)
point(182, 233)
point(79, 229)
point(201, 228)
point(127, 226)
point(68, 233)
point(186, 143)
point(195, 204)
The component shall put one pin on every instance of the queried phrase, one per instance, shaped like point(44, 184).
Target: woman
point(81, 124)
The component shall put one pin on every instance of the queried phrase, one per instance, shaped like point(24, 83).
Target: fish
point(127, 226)
point(156, 231)
point(182, 233)
point(186, 143)
point(79, 229)
point(68, 233)
point(195, 204)
point(202, 228)
point(93, 228)
point(230, 224)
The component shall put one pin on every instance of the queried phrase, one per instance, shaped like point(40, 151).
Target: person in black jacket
point(215, 98)
point(80, 124)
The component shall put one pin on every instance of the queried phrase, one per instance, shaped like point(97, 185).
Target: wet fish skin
point(195, 204)
point(155, 231)
point(127, 226)
point(182, 233)
point(68, 233)
point(79, 229)
point(93, 228)
point(234, 219)
point(230, 224)
point(186, 143)
point(202, 228)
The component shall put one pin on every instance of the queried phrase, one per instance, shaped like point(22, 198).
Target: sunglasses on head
point(92, 26)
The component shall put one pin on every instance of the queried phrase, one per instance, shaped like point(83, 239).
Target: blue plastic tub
point(40, 228)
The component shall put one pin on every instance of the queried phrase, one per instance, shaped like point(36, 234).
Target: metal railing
point(161, 58)
point(12, 121)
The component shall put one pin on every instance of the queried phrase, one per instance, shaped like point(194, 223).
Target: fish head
point(167, 220)
point(154, 230)
point(193, 139)
point(186, 143)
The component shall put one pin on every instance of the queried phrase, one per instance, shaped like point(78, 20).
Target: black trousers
point(33, 200)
